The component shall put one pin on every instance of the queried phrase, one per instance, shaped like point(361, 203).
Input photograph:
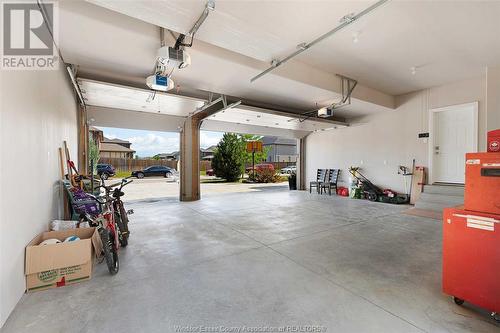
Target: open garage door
point(113, 105)
point(149, 158)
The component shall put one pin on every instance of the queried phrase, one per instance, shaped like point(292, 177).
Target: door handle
point(436, 147)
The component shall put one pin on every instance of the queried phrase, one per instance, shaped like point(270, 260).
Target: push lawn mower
point(375, 193)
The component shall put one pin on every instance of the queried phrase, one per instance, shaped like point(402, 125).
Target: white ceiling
point(115, 47)
point(257, 29)
point(445, 40)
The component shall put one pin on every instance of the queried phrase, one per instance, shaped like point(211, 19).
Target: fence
point(205, 165)
point(277, 165)
point(128, 165)
point(280, 165)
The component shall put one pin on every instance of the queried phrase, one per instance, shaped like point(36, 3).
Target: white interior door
point(455, 134)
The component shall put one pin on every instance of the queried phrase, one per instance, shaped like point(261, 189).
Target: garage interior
point(370, 84)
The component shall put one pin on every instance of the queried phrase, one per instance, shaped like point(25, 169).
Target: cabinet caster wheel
point(458, 301)
point(496, 317)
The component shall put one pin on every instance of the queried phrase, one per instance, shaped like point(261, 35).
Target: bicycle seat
point(117, 193)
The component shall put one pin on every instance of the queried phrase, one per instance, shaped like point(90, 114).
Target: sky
point(150, 143)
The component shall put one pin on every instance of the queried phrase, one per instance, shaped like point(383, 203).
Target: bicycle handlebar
point(114, 185)
point(127, 182)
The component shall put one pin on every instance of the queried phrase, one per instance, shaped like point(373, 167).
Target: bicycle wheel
point(123, 235)
point(124, 218)
point(109, 249)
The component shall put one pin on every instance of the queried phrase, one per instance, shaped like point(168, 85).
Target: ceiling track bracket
point(209, 7)
point(211, 102)
point(347, 86)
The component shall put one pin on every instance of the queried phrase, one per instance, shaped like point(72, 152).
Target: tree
point(93, 154)
point(227, 161)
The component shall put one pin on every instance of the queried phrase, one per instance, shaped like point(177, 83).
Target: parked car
point(261, 166)
point(210, 172)
point(289, 170)
point(154, 170)
point(105, 170)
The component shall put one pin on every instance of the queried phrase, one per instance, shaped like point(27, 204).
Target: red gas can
point(471, 257)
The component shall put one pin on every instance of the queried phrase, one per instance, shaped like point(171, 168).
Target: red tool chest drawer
point(471, 257)
point(482, 182)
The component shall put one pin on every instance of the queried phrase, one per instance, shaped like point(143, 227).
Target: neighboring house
point(207, 154)
point(96, 134)
point(281, 150)
point(167, 156)
point(111, 148)
point(123, 143)
point(115, 150)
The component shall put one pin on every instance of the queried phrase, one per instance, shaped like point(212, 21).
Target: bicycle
point(112, 228)
point(106, 227)
point(121, 215)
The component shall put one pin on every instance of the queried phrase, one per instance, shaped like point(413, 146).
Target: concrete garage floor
point(270, 258)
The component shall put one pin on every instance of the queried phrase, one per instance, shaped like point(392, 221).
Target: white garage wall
point(493, 98)
point(38, 112)
point(382, 142)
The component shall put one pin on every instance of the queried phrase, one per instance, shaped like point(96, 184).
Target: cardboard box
point(57, 265)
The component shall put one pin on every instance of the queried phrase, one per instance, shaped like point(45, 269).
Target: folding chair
point(331, 181)
point(320, 178)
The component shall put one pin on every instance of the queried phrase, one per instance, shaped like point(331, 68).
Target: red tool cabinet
point(482, 182)
point(494, 141)
point(471, 234)
point(471, 258)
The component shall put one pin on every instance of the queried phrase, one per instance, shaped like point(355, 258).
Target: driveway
point(159, 187)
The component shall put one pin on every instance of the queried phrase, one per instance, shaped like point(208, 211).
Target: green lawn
point(122, 174)
point(218, 180)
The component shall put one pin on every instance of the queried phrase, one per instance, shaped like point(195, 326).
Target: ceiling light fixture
point(355, 37)
point(413, 70)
